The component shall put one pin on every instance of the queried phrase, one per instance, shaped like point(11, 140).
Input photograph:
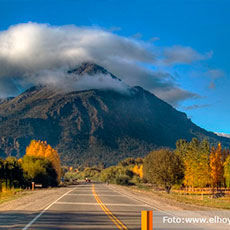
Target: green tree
point(202, 167)
point(163, 167)
point(181, 148)
point(42, 149)
point(225, 154)
point(1, 173)
point(13, 174)
point(195, 156)
point(39, 170)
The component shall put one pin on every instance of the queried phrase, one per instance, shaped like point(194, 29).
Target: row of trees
point(204, 165)
point(193, 164)
point(40, 164)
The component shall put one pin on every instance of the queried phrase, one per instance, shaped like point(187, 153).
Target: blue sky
point(203, 25)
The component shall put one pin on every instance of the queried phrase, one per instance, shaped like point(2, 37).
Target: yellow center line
point(115, 220)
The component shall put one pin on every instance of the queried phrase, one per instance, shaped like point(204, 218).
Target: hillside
point(95, 125)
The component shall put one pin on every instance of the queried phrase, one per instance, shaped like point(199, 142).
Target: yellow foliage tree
point(42, 149)
point(216, 166)
point(196, 163)
point(141, 171)
point(138, 170)
point(188, 174)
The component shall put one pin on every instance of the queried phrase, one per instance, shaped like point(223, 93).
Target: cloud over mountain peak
point(31, 53)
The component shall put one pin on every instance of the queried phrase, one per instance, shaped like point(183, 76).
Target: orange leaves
point(42, 149)
point(216, 165)
point(138, 170)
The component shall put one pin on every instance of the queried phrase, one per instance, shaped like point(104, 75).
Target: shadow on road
point(63, 220)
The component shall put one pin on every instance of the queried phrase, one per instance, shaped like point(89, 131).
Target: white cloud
point(183, 55)
point(71, 82)
point(214, 74)
point(196, 106)
point(31, 52)
point(174, 95)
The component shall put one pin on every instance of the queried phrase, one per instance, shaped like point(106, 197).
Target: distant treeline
point(128, 172)
point(40, 164)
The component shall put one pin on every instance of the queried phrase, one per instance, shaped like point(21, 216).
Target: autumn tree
point(216, 166)
point(42, 149)
point(225, 154)
point(163, 167)
point(195, 156)
point(138, 170)
point(227, 171)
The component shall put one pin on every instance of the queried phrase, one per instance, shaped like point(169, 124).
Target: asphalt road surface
point(84, 206)
point(91, 206)
point(87, 206)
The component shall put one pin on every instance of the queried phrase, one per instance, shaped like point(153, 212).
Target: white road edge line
point(44, 210)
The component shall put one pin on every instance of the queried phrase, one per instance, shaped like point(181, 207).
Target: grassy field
point(195, 198)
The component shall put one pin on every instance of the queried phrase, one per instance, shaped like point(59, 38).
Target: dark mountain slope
point(95, 125)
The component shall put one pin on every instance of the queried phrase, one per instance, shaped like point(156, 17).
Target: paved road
point(87, 206)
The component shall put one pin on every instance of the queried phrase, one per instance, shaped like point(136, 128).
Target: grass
point(192, 199)
point(10, 194)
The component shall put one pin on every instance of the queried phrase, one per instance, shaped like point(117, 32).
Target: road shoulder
point(155, 201)
point(34, 200)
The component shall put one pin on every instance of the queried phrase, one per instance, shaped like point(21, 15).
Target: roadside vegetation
point(194, 173)
point(40, 164)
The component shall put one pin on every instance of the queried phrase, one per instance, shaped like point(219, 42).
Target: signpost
point(36, 186)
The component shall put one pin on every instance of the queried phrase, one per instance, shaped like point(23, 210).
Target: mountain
point(95, 125)
point(2, 100)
